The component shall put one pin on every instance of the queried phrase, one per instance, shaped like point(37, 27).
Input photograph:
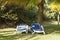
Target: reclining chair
point(37, 28)
point(22, 28)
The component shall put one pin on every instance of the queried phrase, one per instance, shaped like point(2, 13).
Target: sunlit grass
point(52, 33)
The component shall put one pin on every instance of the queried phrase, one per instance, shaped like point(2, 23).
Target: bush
point(13, 12)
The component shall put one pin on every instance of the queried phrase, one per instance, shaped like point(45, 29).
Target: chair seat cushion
point(20, 29)
point(38, 29)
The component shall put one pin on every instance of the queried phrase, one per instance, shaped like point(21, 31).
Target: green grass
point(52, 33)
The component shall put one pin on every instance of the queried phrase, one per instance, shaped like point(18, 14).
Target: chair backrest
point(22, 26)
point(35, 26)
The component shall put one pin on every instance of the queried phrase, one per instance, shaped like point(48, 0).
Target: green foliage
point(25, 10)
point(10, 16)
point(28, 15)
point(1, 0)
point(54, 1)
point(8, 13)
point(16, 13)
point(31, 12)
point(49, 14)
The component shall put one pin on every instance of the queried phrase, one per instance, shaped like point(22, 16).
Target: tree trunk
point(58, 19)
point(40, 12)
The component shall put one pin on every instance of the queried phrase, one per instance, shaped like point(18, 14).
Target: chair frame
point(34, 31)
point(22, 30)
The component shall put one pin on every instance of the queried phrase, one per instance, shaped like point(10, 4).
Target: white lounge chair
point(22, 28)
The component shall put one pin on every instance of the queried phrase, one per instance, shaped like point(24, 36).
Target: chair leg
point(43, 32)
point(26, 32)
point(16, 31)
point(33, 32)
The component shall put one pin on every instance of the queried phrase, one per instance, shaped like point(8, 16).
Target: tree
point(26, 9)
point(40, 11)
point(56, 7)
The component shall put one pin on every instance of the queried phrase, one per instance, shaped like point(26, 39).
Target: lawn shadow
point(11, 37)
point(16, 36)
point(51, 28)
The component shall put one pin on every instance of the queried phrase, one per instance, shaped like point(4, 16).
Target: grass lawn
point(52, 33)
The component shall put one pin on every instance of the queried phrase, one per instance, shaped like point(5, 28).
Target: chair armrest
point(42, 27)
